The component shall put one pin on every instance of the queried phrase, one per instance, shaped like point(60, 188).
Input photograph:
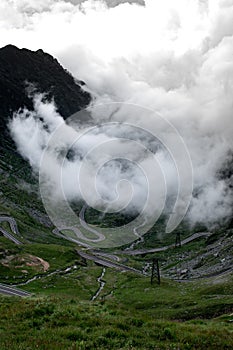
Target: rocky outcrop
point(20, 67)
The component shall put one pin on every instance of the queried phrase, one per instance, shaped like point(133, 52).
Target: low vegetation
point(129, 313)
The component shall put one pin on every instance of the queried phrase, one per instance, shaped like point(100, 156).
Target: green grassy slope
point(128, 314)
point(134, 316)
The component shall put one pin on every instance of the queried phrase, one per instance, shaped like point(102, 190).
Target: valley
point(59, 292)
point(76, 295)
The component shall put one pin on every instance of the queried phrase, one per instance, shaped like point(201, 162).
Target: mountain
point(19, 196)
point(19, 67)
point(96, 299)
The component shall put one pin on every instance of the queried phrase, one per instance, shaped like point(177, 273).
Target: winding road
point(78, 233)
point(84, 224)
point(14, 229)
point(8, 290)
point(108, 263)
point(130, 251)
point(162, 249)
point(104, 259)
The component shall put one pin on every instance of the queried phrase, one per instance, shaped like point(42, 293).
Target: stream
point(135, 243)
point(101, 283)
point(64, 271)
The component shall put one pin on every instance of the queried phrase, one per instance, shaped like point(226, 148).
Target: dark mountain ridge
point(18, 67)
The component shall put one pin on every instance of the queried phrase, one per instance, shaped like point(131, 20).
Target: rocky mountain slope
point(18, 189)
point(19, 194)
point(18, 68)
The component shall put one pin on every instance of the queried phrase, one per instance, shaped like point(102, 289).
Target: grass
point(13, 259)
point(128, 314)
point(70, 323)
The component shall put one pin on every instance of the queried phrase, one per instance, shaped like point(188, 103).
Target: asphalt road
point(14, 229)
point(10, 236)
point(100, 236)
point(12, 222)
point(108, 263)
point(8, 290)
point(80, 236)
point(162, 249)
point(128, 251)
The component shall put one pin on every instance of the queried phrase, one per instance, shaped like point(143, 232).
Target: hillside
point(19, 195)
point(91, 299)
point(19, 68)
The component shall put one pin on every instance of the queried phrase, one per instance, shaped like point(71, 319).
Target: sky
point(174, 57)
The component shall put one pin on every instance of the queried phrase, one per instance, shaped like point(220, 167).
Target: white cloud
point(173, 56)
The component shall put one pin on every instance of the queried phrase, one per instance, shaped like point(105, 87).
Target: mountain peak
point(9, 47)
point(18, 66)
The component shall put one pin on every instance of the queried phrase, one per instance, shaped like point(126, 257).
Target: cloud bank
point(174, 57)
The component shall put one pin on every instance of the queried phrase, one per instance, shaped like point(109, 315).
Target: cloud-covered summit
point(24, 71)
